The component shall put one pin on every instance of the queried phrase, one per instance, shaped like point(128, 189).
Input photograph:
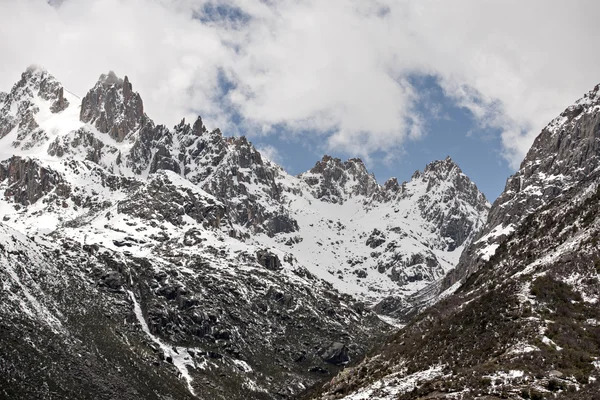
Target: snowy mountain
point(207, 266)
point(519, 318)
point(564, 154)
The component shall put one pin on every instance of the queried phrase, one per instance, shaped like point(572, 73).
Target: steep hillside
point(524, 323)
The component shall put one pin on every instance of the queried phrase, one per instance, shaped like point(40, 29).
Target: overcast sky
point(387, 81)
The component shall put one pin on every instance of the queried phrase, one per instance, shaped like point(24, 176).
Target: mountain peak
point(565, 153)
point(441, 166)
point(35, 69)
point(18, 108)
point(113, 107)
point(335, 180)
point(334, 162)
point(39, 81)
point(110, 79)
point(439, 169)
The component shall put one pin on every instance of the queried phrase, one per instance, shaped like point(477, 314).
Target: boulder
point(336, 353)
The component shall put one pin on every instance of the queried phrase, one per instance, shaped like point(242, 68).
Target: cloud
point(271, 153)
point(338, 69)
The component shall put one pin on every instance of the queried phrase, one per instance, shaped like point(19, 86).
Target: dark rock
point(27, 181)
point(336, 353)
point(102, 107)
point(268, 260)
point(113, 280)
point(376, 239)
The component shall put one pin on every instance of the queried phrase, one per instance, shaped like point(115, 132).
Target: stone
point(268, 260)
point(336, 353)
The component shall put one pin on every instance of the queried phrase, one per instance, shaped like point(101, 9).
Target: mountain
point(561, 157)
point(147, 262)
point(519, 318)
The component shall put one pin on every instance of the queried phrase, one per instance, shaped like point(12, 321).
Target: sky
point(398, 83)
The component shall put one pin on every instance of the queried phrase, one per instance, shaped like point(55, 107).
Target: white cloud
point(337, 68)
point(271, 153)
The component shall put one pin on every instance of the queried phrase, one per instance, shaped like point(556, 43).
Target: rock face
point(521, 319)
point(183, 258)
point(26, 181)
point(565, 153)
point(334, 181)
point(112, 107)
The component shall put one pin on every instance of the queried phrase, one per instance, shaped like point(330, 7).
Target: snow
point(335, 234)
point(506, 377)
point(522, 348)
point(391, 321)
point(488, 251)
point(450, 290)
point(243, 365)
point(393, 385)
point(547, 341)
point(27, 293)
point(180, 355)
point(496, 232)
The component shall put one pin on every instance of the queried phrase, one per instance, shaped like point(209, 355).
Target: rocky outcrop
point(336, 353)
point(268, 260)
point(566, 152)
point(334, 181)
point(113, 108)
point(81, 141)
point(60, 103)
point(233, 170)
point(151, 151)
point(161, 200)
point(26, 181)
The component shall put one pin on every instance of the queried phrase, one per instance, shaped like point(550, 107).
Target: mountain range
point(145, 261)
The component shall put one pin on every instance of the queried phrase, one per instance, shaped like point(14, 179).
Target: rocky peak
point(200, 151)
point(392, 185)
point(564, 153)
point(39, 82)
point(441, 168)
point(451, 201)
point(236, 173)
point(335, 181)
point(19, 107)
point(198, 129)
point(113, 107)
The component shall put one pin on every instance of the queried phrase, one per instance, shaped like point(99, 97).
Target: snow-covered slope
point(389, 240)
point(218, 249)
